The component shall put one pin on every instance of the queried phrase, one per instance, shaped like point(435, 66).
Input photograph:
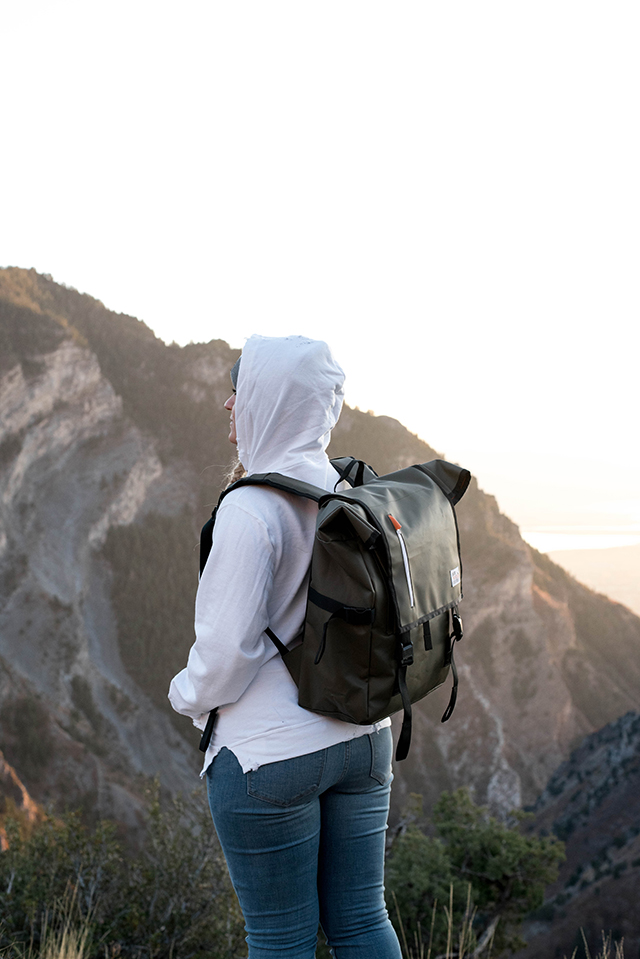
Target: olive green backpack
point(386, 579)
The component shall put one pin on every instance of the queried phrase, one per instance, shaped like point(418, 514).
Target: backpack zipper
point(405, 557)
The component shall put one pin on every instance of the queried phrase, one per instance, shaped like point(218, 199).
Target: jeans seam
point(375, 774)
point(373, 757)
point(345, 762)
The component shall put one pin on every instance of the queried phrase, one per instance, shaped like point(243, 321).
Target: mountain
point(592, 802)
point(112, 451)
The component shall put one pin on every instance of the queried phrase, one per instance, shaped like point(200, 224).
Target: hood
point(289, 397)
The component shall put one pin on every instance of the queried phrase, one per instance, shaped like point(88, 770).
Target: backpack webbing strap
point(454, 692)
point(208, 730)
point(455, 637)
point(352, 615)
point(405, 658)
point(280, 646)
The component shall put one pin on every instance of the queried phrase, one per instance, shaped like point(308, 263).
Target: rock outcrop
point(15, 800)
point(73, 466)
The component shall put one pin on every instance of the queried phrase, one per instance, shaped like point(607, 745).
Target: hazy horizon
point(448, 195)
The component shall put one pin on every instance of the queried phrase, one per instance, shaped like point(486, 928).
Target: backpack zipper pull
point(405, 556)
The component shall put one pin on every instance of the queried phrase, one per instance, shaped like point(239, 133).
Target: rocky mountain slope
point(592, 802)
point(112, 450)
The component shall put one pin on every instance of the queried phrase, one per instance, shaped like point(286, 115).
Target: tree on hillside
point(472, 860)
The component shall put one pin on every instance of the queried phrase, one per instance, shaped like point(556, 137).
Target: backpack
point(386, 579)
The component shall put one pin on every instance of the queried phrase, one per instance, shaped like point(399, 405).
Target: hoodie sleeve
point(231, 616)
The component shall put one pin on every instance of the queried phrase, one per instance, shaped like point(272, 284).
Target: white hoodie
point(289, 397)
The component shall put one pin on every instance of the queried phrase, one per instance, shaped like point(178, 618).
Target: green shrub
point(171, 898)
point(504, 872)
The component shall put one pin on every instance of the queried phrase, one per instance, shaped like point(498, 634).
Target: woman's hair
point(236, 472)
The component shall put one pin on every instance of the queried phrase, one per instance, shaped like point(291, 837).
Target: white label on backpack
point(455, 576)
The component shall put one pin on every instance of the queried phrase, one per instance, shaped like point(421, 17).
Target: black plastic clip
point(406, 652)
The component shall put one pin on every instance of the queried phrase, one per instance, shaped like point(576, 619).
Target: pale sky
point(447, 192)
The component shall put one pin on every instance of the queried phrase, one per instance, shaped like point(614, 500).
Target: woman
point(299, 800)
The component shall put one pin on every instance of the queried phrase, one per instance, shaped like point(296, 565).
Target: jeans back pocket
point(288, 782)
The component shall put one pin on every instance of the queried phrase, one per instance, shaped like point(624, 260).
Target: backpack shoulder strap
point(276, 481)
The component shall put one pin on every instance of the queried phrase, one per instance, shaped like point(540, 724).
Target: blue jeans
point(304, 842)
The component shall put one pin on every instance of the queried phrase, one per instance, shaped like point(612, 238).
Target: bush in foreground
point(462, 892)
point(477, 875)
point(173, 898)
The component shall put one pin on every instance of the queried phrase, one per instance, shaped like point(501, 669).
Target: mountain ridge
point(112, 450)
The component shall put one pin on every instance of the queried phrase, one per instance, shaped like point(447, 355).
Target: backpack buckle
point(406, 652)
point(456, 623)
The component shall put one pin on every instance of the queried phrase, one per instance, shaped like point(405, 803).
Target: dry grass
point(65, 939)
point(461, 943)
point(65, 934)
point(609, 949)
point(67, 942)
